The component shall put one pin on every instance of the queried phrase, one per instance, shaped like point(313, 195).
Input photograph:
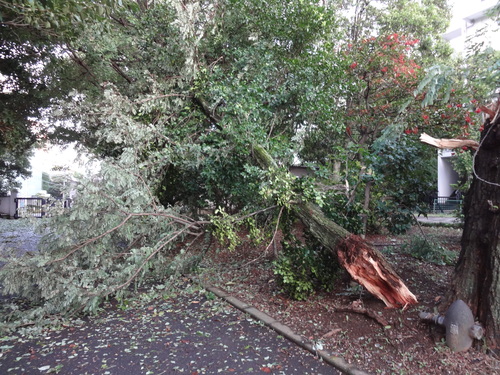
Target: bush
point(348, 215)
point(397, 219)
point(302, 269)
point(429, 250)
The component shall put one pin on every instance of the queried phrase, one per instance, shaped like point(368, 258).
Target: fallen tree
point(365, 264)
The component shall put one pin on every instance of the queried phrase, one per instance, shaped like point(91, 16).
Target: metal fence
point(30, 207)
point(36, 207)
point(446, 205)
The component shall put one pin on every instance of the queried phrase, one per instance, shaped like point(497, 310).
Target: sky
point(44, 160)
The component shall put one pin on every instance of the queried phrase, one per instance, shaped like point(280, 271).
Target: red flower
point(478, 110)
point(353, 65)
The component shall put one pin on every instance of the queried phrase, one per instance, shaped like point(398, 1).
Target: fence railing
point(30, 207)
point(36, 207)
point(446, 205)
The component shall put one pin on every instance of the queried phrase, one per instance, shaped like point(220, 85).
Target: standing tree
point(385, 67)
point(464, 89)
point(476, 278)
point(34, 73)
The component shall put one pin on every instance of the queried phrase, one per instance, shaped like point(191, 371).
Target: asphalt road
point(190, 331)
point(182, 334)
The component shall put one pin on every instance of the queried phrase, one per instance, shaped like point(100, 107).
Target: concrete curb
point(283, 330)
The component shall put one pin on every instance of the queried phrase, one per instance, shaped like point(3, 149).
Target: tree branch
point(119, 70)
point(205, 108)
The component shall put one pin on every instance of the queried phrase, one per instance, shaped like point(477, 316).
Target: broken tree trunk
point(448, 143)
point(365, 264)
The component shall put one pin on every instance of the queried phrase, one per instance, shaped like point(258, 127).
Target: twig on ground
point(363, 311)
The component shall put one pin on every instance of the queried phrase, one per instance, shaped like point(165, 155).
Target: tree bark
point(365, 264)
point(366, 205)
point(477, 274)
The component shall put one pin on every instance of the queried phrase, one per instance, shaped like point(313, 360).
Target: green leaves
point(437, 84)
point(225, 229)
point(405, 172)
point(54, 17)
point(303, 268)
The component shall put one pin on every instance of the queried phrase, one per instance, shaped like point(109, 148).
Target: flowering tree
point(385, 73)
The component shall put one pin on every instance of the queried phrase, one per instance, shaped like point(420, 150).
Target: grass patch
point(429, 249)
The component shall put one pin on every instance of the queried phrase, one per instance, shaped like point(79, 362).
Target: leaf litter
point(161, 331)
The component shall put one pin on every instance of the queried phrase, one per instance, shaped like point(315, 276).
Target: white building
point(43, 161)
point(469, 19)
point(446, 174)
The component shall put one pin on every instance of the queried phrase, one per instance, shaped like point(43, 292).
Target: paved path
point(190, 334)
point(438, 220)
point(17, 236)
point(193, 332)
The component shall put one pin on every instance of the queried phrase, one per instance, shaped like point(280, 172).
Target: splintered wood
point(368, 267)
point(448, 143)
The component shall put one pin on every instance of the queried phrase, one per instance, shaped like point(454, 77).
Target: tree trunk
point(477, 274)
point(366, 206)
point(365, 264)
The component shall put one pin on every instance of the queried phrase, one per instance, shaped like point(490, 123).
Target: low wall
point(8, 205)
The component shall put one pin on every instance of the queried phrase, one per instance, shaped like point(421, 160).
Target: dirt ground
point(379, 341)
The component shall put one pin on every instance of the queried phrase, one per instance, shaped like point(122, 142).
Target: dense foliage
point(178, 94)
point(34, 73)
point(173, 97)
point(302, 269)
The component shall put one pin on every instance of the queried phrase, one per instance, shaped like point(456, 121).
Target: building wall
point(469, 17)
point(446, 174)
point(8, 205)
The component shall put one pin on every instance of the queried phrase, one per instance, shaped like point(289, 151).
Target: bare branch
point(275, 230)
point(163, 96)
